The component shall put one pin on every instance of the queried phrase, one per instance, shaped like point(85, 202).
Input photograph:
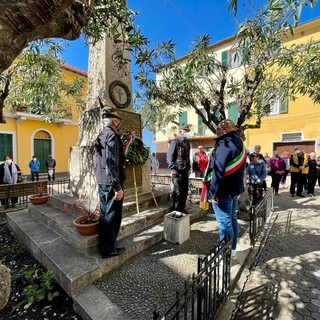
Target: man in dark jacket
point(51, 168)
point(110, 176)
point(178, 159)
point(227, 164)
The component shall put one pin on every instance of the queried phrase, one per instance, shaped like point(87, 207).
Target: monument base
point(82, 177)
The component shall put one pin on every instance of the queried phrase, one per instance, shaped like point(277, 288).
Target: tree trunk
point(23, 21)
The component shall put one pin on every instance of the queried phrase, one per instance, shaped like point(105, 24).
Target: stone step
point(73, 268)
point(129, 205)
point(62, 224)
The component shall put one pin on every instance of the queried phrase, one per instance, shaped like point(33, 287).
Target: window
point(224, 58)
point(231, 59)
point(278, 106)
point(183, 117)
point(6, 146)
point(235, 59)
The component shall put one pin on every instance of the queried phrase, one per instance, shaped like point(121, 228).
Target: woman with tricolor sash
point(227, 167)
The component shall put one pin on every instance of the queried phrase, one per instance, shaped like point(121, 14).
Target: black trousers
point(109, 220)
point(255, 192)
point(179, 190)
point(296, 181)
point(312, 179)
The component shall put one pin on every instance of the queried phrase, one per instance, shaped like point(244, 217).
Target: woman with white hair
point(312, 173)
point(9, 172)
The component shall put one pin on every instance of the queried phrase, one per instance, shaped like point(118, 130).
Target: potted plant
point(40, 195)
point(87, 223)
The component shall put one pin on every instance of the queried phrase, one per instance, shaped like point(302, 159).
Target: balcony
point(61, 115)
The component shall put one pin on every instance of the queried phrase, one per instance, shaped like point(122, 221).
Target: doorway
point(42, 148)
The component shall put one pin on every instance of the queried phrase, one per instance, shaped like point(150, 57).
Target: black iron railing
point(258, 216)
point(164, 180)
point(206, 292)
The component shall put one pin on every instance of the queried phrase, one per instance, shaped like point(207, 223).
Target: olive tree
point(205, 84)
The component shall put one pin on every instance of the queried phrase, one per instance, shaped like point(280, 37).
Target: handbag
point(270, 173)
point(20, 178)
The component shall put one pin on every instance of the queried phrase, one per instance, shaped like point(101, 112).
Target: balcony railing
point(65, 111)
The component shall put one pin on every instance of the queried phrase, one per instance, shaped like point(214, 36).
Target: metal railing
point(205, 294)
point(20, 196)
point(258, 216)
point(164, 181)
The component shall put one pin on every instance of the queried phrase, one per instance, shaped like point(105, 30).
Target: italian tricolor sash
point(236, 163)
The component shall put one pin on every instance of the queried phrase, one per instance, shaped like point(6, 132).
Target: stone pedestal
point(103, 74)
point(176, 227)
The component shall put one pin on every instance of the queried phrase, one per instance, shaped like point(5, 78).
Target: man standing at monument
point(178, 159)
point(110, 176)
point(227, 164)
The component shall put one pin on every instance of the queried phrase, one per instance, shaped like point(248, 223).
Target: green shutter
point(183, 117)
point(233, 111)
point(5, 145)
point(200, 124)
point(283, 106)
point(224, 58)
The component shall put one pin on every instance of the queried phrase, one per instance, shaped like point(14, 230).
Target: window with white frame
point(275, 106)
point(235, 59)
point(278, 106)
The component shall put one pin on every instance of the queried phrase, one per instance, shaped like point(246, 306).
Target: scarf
point(10, 178)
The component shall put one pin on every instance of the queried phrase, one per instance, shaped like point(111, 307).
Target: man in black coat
point(110, 176)
point(178, 159)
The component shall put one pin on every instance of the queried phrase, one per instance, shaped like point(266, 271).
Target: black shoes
point(301, 195)
point(113, 254)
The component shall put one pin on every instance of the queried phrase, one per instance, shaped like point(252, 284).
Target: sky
point(181, 21)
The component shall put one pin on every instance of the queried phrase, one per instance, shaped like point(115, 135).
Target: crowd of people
point(304, 171)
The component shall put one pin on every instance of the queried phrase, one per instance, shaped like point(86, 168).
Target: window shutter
point(183, 117)
point(284, 105)
point(233, 111)
point(200, 124)
point(6, 144)
point(224, 58)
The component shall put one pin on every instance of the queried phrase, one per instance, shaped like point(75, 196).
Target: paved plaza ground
point(285, 283)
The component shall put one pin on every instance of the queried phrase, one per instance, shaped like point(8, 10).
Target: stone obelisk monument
point(113, 86)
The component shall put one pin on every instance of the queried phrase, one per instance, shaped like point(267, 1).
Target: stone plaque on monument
point(131, 122)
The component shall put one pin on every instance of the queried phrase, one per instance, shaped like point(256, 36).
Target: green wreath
point(135, 151)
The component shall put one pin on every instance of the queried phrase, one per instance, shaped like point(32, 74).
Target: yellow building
point(26, 134)
point(288, 125)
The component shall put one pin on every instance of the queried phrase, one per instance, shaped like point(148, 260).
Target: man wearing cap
point(110, 176)
point(227, 164)
point(178, 159)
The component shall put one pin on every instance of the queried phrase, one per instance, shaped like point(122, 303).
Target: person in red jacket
point(200, 161)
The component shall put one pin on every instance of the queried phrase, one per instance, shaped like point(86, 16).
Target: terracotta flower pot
point(39, 200)
point(86, 229)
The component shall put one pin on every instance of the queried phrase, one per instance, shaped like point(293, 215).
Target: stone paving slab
point(285, 283)
point(149, 281)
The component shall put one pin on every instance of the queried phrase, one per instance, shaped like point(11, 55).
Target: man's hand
point(118, 195)
point(215, 200)
point(174, 172)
